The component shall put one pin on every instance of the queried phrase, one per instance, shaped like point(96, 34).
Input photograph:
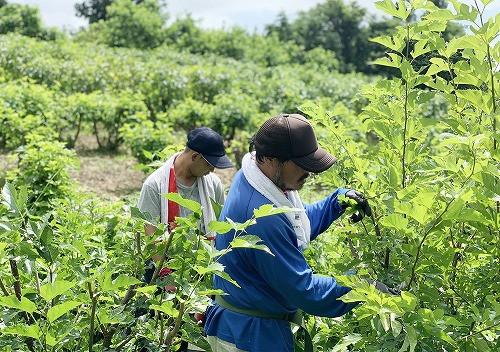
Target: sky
point(250, 14)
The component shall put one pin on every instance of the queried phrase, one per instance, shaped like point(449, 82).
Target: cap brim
point(316, 162)
point(219, 162)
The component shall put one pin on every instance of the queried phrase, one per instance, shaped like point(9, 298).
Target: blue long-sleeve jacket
point(281, 283)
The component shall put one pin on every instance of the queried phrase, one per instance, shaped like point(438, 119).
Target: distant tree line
point(334, 33)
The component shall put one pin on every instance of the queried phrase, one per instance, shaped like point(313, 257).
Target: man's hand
point(362, 206)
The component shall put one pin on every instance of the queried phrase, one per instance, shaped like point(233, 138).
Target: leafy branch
point(436, 221)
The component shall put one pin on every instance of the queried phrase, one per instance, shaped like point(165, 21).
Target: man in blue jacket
point(256, 316)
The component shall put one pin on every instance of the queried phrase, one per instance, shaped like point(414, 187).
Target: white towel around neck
point(203, 189)
point(298, 218)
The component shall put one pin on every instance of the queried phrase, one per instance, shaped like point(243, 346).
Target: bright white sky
point(250, 14)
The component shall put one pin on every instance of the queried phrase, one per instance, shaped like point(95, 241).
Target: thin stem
point(162, 259)
point(37, 278)
point(403, 156)
point(480, 331)
point(15, 275)
point(488, 54)
point(175, 330)
point(123, 343)
point(3, 288)
point(93, 297)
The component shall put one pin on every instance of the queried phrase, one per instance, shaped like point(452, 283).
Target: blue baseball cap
point(210, 144)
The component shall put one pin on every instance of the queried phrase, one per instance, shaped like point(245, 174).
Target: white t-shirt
point(149, 199)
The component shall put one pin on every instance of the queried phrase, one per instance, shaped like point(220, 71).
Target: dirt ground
point(111, 176)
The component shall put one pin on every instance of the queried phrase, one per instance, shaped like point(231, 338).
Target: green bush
point(189, 114)
point(130, 25)
point(205, 82)
point(232, 112)
point(147, 139)
point(26, 108)
point(162, 87)
point(22, 19)
point(43, 168)
point(112, 112)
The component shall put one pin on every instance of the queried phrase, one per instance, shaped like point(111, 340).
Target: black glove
point(362, 206)
point(384, 288)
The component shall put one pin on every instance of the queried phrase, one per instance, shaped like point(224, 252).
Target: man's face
point(199, 166)
point(291, 177)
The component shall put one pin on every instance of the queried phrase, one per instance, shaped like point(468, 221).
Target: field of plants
point(420, 142)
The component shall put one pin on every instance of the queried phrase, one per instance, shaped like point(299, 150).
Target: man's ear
point(194, 156)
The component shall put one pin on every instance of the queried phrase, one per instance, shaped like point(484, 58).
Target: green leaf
point(395, 326)
point(406, 344)
point(486, 2)
point(217, 208)
point(32, 331)
point(192, 205)
point(269, 209)
point(385, 320)
point(393, 60)
point(52, 290)
point(12, 302)
point(412, 337)
point(214, 292)
point(9, 198)
point(166, 308)
point(211, 268)
point(399, 11)
point(121, 281)
point(465, 42)
point(346, 341)
point(437, 66)
point(220, 227)
point(125, 281)
point(392, 42)
point(396, 221)
point(409, 301)
point(440, 14)
point(420, 48)
point(147, 290)
point(407, 71)
point(415, 211)
point(57, 311)
point(241, 226)
point(249, 241)
point(136, 213)
point(226, 277)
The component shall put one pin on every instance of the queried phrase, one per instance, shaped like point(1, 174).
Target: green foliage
point(335, 26)
point(93, 10)
point(83, 285)
point(232, 112)
point(131, 25)
point(147, 139)
point(83, 84)
point(26, 108)
point(25, 20)
point(431, 176)
point(22, 19)
point(43, 170)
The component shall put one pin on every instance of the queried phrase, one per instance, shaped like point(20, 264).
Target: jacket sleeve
point(288, 273)
point(322, 213)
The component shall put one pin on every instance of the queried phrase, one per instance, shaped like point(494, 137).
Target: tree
point(22, 19)
point(282, 28)
point(331, 25)
point(131, 25)
point(94, 10)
